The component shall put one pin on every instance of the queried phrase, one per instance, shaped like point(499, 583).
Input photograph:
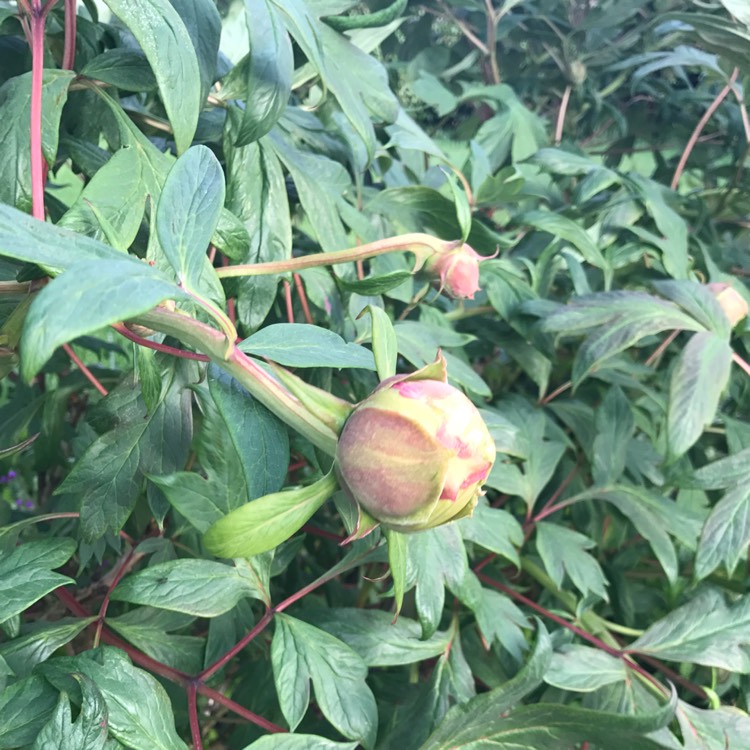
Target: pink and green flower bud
point(456, 269)
point(733, 304)
point(415, 453)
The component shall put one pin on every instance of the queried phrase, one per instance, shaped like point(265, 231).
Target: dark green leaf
point(703, 631)
point(564, 551)
point(726, 533)
point(302, 345)
point(188, 213)
point(26, 573)
point(167, 44)
point(700, 376)
point(25, 708)
point(376, 638)
point(15, 144)
point(124, 68)
point(302, 653)
point(269, 70)
point(196, 587)
point(93, 295)
point(614, 427)
point(260, 439)
point(298, 742)
point(89, 732)
point(584, 669)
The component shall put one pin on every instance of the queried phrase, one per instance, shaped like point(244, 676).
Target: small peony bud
point(733, 304)
point(457, 269)
point(415, 453)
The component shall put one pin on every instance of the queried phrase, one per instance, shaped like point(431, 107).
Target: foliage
point(265, 187)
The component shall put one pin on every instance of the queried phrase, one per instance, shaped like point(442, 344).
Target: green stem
point(421, 245)
point(258, 382)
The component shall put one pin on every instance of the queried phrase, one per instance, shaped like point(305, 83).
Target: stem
point(288, 300)
point(699, 127)
point(492, 19)
point(248, 372)
point(561, 114)
point(406, 243)
point(105, 602)
point(69, 53)
point(741, 362)
point(303, 298)
point(195, 727)
point(38, 18)
point(123, 330)
point(85, 370)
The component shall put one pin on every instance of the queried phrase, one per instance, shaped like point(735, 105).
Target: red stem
point(195, 727)
point(105, 602)
point(128, 334)
point(37, 18)
point(69, 53)
point(245, 713)
point(303, 298)
point(85, 370)
point(288, 300)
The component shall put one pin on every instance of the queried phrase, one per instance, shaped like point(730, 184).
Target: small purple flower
point(29, 504)
point(11, 475)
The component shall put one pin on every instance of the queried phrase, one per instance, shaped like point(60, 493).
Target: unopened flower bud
point(457, 269)
point(733, 304)
point(415, 453)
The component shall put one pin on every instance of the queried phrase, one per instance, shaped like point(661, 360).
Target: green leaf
point(111, 206)
point(93, 295)
point(259, 438)
point(437, 558)
point(700, 302)
point(379, 640)
point(718, 729)
point(262, 524)
point(374, 285)
point(107, 479)
point(160, 31)
point(321, 183)
point(384, 341)
point(269, 70)
point(24, 653)
point(583, 669)
point(196, 587)
point(398, 546)
point(703, 631)
point(463, 209)
point(150, 631)
point(256, 193)
point(89, 732)
point(568, 230)
point(26, 573)
point(203, 24)
point(726, 472)
point(187, 213)
point(123, 68)
point(726, 533)
point(300, 653)
point(563, 551)
point(18, 724)
point(615, 425)
point(699, 377)
point(192, 496)
point(494, 529)
point(474, 720)
point(302, 345)
point(298, 742)
point(15, 143)
point(140, 712)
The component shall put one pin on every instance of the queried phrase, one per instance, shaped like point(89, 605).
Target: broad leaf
point(187, 213)
point(300, 653)
point(26, 573)
point(160, 31)
point(18, 725)
point(302, 345)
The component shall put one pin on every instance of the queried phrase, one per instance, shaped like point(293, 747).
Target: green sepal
point(398, 555)
point(329, 409)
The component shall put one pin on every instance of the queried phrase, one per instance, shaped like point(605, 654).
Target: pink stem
point(195, 727)
point(69, 53)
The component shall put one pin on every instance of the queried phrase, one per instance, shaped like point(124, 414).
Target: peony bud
point(415, 453)
point(732, 302)
point(457, 269)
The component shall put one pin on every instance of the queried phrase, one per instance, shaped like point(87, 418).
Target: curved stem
point(258, 382)
point(417, 243)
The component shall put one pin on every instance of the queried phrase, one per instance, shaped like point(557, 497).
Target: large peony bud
point(457, 270)
point(415, 453)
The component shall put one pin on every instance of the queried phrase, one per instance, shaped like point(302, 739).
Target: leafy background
point(598, 598)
